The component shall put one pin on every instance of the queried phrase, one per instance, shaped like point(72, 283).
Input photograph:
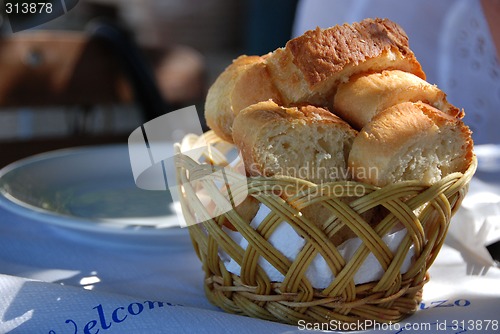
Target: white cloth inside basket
point(289, 243)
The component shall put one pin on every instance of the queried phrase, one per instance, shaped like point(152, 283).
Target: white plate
point(87, 189)
point(488, 164)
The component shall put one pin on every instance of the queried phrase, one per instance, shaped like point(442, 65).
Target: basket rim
point(252, 292)
point(468, 174)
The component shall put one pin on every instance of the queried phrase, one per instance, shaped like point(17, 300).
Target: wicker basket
point(252, 293)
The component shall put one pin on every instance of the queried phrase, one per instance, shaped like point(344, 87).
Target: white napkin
point(37, 307)
point(289, 243)
point(476, 225)
point(451, 299)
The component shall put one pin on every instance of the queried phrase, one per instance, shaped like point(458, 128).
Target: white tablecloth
point(54, 280)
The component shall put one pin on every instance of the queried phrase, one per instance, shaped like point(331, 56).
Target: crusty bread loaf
point(246, 81)
point(358, 100)
point(410, 141)
point(274, 108)
point(309, 67)
point(305, 142)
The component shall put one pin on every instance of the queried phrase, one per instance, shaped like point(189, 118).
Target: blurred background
point(76, 81)
point(61, 86)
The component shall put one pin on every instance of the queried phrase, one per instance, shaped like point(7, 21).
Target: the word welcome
point(103, 320)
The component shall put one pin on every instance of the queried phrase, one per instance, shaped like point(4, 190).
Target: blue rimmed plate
point(88, 189)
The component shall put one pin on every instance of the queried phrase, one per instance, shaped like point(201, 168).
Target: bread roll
point(243, 83)
point(305, 142)
point(310, 67)
point(410, 141)
point(246, 209)
point(358, 100)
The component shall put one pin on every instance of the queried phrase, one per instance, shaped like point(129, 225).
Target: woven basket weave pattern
point(389, 299)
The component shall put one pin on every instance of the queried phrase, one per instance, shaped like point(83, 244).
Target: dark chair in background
point(76, 71)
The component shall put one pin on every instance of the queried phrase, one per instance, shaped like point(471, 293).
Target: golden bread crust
point(275, 140)
point(360, 99)
point(311, 66)
point(410, 141)
point(246, 81)
point(318, 53)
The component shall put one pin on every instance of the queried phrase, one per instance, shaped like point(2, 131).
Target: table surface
point(105, 273)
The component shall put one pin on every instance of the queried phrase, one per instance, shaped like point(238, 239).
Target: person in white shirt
point(452, 39)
